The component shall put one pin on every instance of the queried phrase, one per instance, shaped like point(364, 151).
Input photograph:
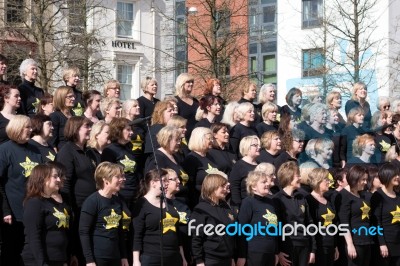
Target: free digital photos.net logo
point(279, 230)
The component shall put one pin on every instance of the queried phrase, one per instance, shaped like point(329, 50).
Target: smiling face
point(114, 110)
point(52, 183)
point(103, 136)
point(324, 185)
point(296, 181)
point(271, 116)
point(276, 144)
point(113, 91)
point(126, 134)
point(270, 94)
point(31, 73)
point(26, 132)
point(216, 90)
point(70, 99)
point(262, 186)
point(214, 108)
point(3, 67)
point(361, 93)
point(369, 147)
point(255, 148)
point(251, 94)
point(188, 87)
point(73, 80)
point(116, 183)
point(297, 98)
point(362, 183)
point(151, 88)
point(222, 136)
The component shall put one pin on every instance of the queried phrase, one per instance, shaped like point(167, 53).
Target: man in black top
point(3, 68)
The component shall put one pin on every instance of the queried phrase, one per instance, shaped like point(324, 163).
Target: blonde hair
point(70, 72)
point(316, 176)
point(166, 134)
point(229, 112)
point(252, 178)
point(268, 108)
point(177, 121)
point(261, 96)
point(105, 171)
point(96, 130)
point(243, 108)
point(331, 96)
point(15, 127)
point(210, 184)
point(109, 84)
point(267, 137)
point(145, 82)
point(245, 144)
point(305, 170)
point(198, 138)
point(357, 86)
point(127, 106)
point(267, 168)
point(180, 83)
point(59, 97)
point(106, 104)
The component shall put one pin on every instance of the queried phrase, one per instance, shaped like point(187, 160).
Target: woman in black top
point(293, 99)
point(333, 129)
point(385, 204)
point(355, 120)
point(17, 159)
point(46, 221)
point(323, 213)
point(146, 225)
point(211, 107)
point(147, 101)
point(131, 111)
point(10, 101)
point(196, 163)
point(354, 210)
point(213, 87)
point(269, 114)
point(258, 207)
point(100, 224)
point(30, 94)
point(246, 115)
point(318, 119)
point(64, 99)
point(271, 147)
point(220, 155)
point(42, 131)
point(99, 139)
point(250, 150)
point(71, 79)
point(92, 99)
point(334, 103)
point(213, 210)
point(119, 151)
point(293, 208)
point(46, 105)
point(179, 122)
point(110, 108)
point(293, 144)
point(359, 100)
point(187, 104)
point(169, 139)
point(363, 150)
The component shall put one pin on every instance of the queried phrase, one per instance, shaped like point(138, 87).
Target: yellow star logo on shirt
point(63, 218)
point(169, 223)
point(36, 103)
point(126, 221)
point(328, 217)
point(28, 165)
point(365, 211)
point(385, 146)
point(211, 169)
point(184, 177)
point(50, 156)
point(112, 221)
point(183, 141)
point(278, 117)
point(78, 110)
point(137, 144)
point(331, 181)
point(183, 217)
point(129, 165)
point(396, 215)
point(270, 217)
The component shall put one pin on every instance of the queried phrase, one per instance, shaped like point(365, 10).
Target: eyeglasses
point(173, 179)
point(70, 96)
point(386, 106)
point(190, 81)
point(299, 140)
point(255, 145)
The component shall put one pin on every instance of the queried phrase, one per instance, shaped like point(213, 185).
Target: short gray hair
point(24, 66)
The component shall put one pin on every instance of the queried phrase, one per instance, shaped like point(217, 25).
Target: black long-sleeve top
point(214, 247)
point(146, 227)
point(282, 158)
point(237, 133)
point(253, 210)
point(295, 115)
point(290, 210)
point(3, 124)
point(100, 228)
point(350, 104)
point(123, 155)
point(266, 157)
point(348, 135)
point(237, 179)
point(354, 211)
point(79, 183)
point(335, 137)
point(203, 123)
point(30, 98)
point(47, 152)
point(154, 129)
point(326, 215)
point(79, 103)
point(16, 164)
point(146, 106)
point(223, 159)
point(46, 223)
point(189, 112)
point(263, 127)
point(164, 162)
point(386, 213)
point(58, 120)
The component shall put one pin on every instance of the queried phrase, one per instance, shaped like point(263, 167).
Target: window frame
point(314, 18)
point(313, 54)
point(119, 20)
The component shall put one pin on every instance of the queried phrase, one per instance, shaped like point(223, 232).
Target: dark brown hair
point(37, 180)
point(37, 122)
point(71, 130)
point(116, 126)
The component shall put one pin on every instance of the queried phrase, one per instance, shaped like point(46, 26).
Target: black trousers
point(257, 259)
point(325, 256)
point(108, 262)
point(147, 260)
point(363, 256)
point(299, 255)
point(13, 243)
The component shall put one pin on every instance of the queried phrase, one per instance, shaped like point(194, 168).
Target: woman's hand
point(384, 251)
point(311, 258)
point(241, 262)
point(7, 219)
point(283, 259)
point(351, 251)
point(124, 262)
point(336, 254)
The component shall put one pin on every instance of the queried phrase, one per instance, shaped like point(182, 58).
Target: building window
point(312, 13)
point(15, 11)
point(224, 67)
point(125, 19)
point(124, 76)
point(76, 16)
point(313, 62)
point(223, 22)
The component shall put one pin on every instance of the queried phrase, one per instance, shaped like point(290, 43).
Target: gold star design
point(63, 218)
point(385, 146)
point(169, 223)
point(126, 221)
point(184, 177)
point(78, 110)
point(396, 215)
point(278, 117)
point(50, 156)
point(36, 103)
point(129, 165)
point(183, 141)
point(112, 221)
point(28, 165)
point(365, 211)
point(183, 217)
point(211, 169)
point(270, 217)
point(331, 181)
point(328, 217)
point(137, 144)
